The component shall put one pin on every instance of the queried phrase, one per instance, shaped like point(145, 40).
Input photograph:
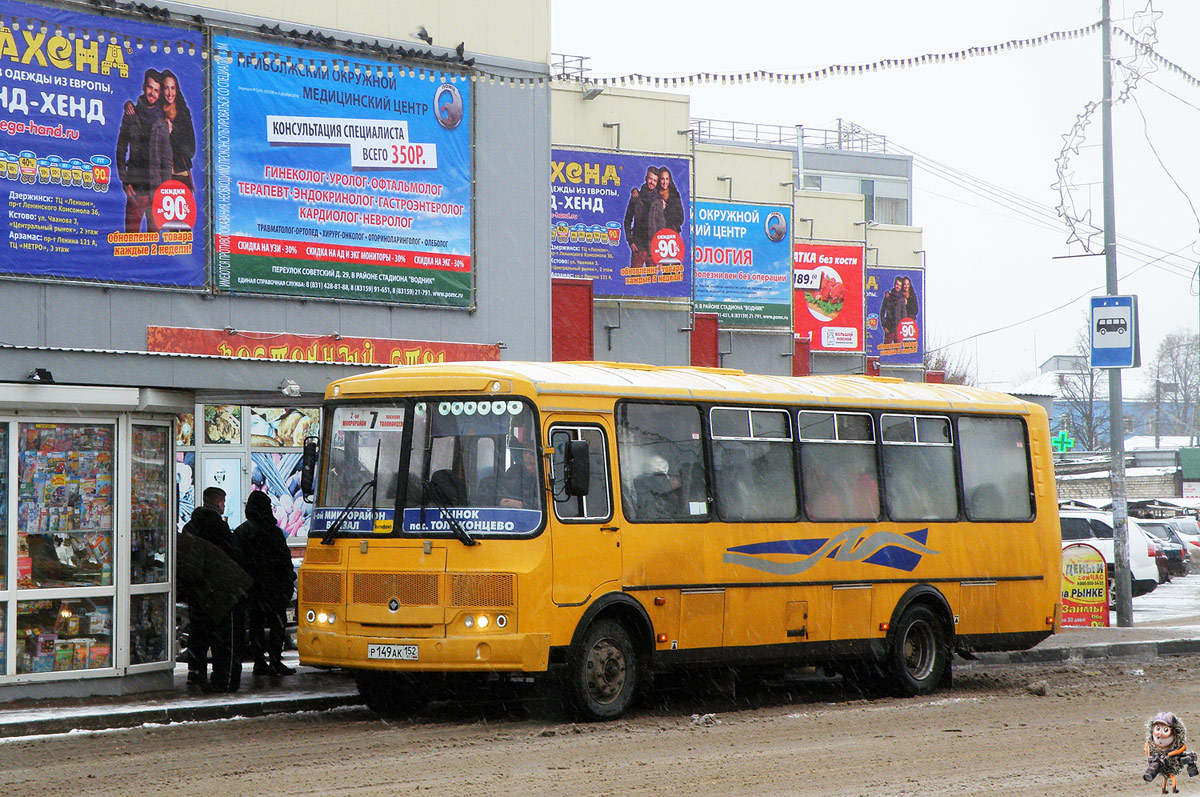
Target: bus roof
point(667, 382)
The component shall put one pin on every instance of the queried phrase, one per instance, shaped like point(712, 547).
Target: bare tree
point(953, 361)
point(1175, 387)
point(1083, 391)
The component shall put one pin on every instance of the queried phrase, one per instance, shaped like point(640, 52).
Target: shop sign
point(895, 323)
point(349, 180)
point(1084, 586)
point(828, 291)
point(101, 159)
point(742, 259)
point(312, 348)
point(622, 221)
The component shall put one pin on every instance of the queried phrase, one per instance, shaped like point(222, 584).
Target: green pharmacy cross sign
point(1062, 442)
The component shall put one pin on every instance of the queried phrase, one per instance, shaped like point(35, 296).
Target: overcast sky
point(980, 129)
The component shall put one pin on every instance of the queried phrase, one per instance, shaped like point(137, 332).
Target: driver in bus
point(517, 487)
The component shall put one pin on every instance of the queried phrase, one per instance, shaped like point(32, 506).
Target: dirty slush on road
point(1071, 728)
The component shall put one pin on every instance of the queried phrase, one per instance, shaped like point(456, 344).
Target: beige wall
point(755, 174)
point(649, 121)
point(518, 29)
point(833, 216)
point(898, 246)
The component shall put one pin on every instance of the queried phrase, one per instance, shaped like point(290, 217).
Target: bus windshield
point(477, 461)
point(471, 467)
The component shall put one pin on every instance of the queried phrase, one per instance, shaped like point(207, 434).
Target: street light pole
point(1116, 424)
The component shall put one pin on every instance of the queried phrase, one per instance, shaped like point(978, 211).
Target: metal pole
point(1116, 417)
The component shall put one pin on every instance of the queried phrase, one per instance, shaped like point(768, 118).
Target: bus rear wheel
point(603, 673)
point(391, 693)
point(919, 655)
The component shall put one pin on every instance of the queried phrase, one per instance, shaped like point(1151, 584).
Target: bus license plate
point(392, 652)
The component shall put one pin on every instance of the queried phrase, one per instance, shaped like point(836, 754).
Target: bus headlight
point(332, 618)
point(322, 617)
point(501, 620)
point(469, 621)
point(483, 621)
point(310, 616)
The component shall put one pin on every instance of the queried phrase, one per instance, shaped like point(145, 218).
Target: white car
point(1095, 529)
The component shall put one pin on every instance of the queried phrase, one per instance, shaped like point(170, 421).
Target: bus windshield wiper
point(369, 484)
point(430, 494)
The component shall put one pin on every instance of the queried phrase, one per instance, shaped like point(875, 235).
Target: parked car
point(1189, 531)
point(1178, 558)
point(1095, 529)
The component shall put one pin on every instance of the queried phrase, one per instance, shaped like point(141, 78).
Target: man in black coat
point(214, 579)
point(269, 562)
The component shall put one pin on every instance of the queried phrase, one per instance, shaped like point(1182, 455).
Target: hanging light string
point(836, 70)
point(1148, 52)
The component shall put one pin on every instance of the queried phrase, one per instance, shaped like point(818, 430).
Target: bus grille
point(324, 555)
point(321, 587)
point(410, 589)
point(488, 590)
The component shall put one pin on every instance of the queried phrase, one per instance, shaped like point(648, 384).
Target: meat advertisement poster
point(827, 282)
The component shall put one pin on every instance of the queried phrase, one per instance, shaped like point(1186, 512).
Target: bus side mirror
point(577, 469)
point(308, 466)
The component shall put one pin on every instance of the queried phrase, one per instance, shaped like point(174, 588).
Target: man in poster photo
point(143, 152)
point(637, 219)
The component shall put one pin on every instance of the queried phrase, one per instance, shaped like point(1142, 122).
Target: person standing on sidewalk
point(211, 573)
point(269, 563)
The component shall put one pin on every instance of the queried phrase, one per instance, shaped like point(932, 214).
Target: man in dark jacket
point(637, 219)
point(215, 581)
point(269, 562)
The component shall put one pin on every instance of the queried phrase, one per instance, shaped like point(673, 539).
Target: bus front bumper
point(475, 653)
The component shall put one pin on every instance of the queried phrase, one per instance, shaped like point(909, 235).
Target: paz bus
point(596, 523)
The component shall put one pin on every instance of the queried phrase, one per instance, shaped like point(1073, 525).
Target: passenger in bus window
point(658, 493)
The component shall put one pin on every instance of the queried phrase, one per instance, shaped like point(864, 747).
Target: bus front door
point(586, 543)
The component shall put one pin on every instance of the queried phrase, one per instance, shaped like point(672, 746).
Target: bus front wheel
point(919, 655)
point(603, 673)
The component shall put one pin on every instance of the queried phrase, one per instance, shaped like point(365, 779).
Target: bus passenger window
point(994, 456)
point(658, 445)
point(754, 473)
point(837, 466)
point(918, 468)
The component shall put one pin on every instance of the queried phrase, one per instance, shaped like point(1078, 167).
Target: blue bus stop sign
point(1114, 332)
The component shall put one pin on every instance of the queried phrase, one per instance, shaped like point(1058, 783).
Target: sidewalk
point(308, 690)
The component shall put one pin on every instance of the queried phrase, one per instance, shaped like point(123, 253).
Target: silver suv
point(1095, 529)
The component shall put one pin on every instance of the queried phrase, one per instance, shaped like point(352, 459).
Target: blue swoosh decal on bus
point(884, 548)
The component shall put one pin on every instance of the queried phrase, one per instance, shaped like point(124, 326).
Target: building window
point(812, 182)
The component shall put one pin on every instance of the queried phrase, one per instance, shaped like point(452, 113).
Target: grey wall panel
point(644, 335)
point(757, 352)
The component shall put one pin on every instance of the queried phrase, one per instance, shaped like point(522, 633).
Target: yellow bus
point(600, 522)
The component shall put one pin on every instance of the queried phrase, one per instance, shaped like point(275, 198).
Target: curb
point(170, 714)
point(1115, 650)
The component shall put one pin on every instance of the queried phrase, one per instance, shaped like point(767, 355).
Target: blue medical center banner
point(623, 221)
point(101, 155)
point(340, 178)
point(743, 261)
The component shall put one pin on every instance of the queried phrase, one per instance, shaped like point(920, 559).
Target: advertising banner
point(101, 131)
point(1084, 586)
point(340, 179)
point(895, 314)
point(313, 348)
point(828, 283)
point(742, 258)
point(623, 221)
